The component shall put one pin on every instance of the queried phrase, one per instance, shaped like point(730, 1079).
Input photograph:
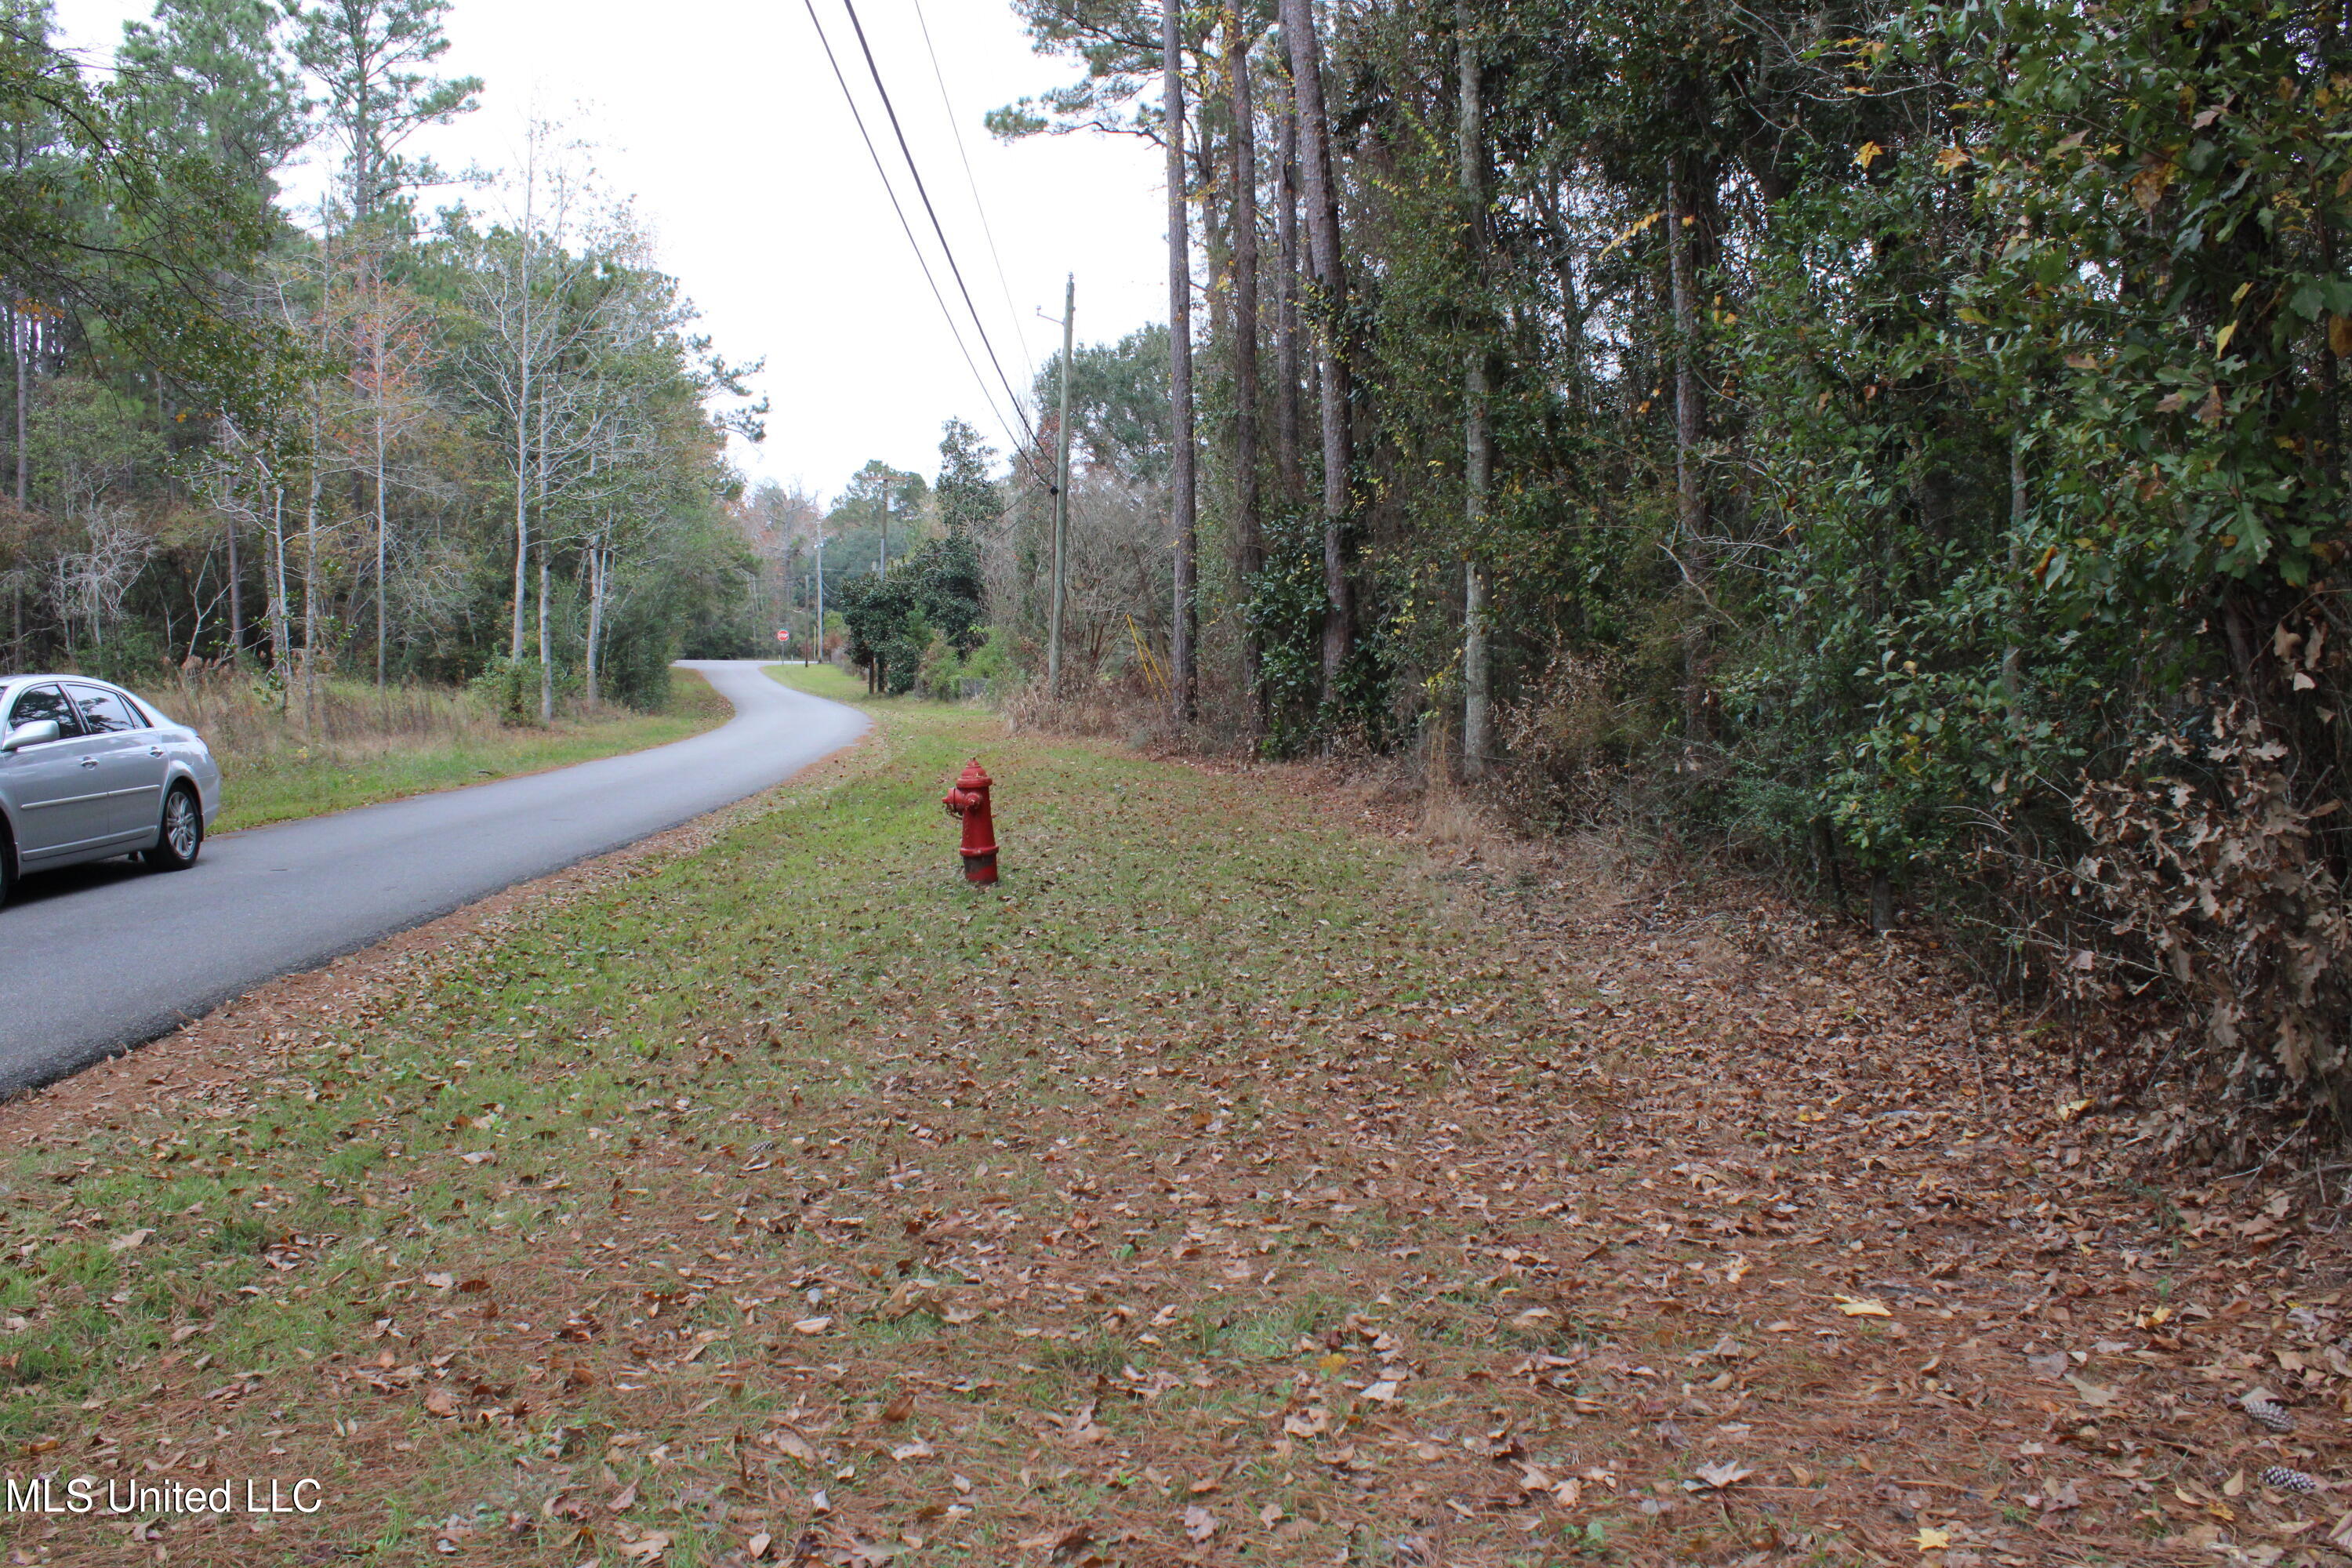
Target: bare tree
point(92, 580)
point(389, 355)
point(91, 450)
point(325, 403)
point(518, 293)
point(240, 478)
point(560, 360)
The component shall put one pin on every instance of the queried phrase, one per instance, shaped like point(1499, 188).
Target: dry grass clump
point(1089, 709)
point(242, 717)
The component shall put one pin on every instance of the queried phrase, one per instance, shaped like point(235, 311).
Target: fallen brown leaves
point(1451, 1218)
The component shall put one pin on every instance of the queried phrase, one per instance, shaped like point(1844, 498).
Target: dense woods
point(366, 439)
point(1903, 442)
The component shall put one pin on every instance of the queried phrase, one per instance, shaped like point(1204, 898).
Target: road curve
point(95, 958)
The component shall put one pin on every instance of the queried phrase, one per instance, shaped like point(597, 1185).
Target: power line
point(908, 153)
point(972, 181)
point(922, 261)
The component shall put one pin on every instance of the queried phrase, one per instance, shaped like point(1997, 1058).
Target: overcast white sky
point(722, 119)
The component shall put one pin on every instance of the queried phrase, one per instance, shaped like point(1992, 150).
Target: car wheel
point(8, 866)
point(180, 835)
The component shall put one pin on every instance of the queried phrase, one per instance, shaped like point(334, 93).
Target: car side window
point(36, 703)
point(102, 712)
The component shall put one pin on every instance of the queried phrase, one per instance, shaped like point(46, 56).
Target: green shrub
point(510, 687)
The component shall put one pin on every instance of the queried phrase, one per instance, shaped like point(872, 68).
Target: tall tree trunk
point(383, 515)
point(20, 350)
point(546, 665)
point(525, 362)
point(1331, 288)
point(1287, 466)
point(1690, 429)
point(1183, 682)
point(1249, 543)
point(23, 330)
point(20, 334)
point(310, 603)
point(382, 530)
point(1212, 167)
point(235, 595)
point(1571, 298)
point(281, 631)
point(1478, 436)
point(2328, 60)
point(546, 662)
point(596, 569)
point(317, 488)
point(2012, 680)
point(522, 531)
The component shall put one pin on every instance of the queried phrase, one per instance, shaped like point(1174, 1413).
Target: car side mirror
point(40, 731)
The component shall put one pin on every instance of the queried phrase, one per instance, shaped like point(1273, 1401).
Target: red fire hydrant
point(969, 800)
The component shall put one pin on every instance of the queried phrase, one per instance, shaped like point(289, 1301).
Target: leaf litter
point(1245, 1178)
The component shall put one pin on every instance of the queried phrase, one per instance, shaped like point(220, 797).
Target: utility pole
point(820, 596)
point(882, 567)
point(1061, 494)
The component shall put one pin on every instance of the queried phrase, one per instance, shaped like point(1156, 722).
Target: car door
point(130, 765)
point(60, 804)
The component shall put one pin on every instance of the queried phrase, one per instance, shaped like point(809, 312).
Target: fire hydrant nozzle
point(969, 800)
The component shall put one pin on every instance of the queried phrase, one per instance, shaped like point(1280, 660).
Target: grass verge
point(278, 785)
point(827, 681)
point(1228, 1184)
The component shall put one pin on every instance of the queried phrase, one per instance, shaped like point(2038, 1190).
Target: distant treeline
point(360, 439)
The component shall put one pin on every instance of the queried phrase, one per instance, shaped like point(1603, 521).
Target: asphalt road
point(96, 959)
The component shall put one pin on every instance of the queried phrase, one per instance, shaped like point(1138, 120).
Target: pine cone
point(2288, 1480)
point(2268, 1413)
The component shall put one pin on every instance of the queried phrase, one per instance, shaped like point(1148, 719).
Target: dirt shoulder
point(1242, 1179)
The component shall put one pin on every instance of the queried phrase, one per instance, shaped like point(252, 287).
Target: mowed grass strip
point(280, 786)
point(797, 1189)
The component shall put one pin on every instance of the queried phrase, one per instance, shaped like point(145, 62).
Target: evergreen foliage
point(1919, 448)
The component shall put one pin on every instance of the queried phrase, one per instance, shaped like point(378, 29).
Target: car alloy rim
point(180, 827)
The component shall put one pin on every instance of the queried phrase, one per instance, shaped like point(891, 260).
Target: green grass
point(829, 680)
point(258, 791)
point(764, 1085)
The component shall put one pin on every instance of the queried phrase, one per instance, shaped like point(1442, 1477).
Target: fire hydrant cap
point(974, 776)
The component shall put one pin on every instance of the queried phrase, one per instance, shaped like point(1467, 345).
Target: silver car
point(89, 772)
